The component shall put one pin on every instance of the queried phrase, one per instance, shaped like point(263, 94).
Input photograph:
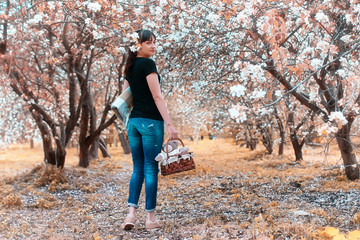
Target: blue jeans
point(146, 137)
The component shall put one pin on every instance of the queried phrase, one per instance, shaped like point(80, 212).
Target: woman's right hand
point(172, 132)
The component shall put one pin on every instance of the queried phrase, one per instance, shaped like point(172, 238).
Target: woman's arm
point(154, 86)
point(125, 85)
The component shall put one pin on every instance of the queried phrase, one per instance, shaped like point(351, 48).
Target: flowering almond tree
point(319, 70)
point(311, 49)
point(62, 59)
point(306, 49)
point(254, 49)
point(15, 124)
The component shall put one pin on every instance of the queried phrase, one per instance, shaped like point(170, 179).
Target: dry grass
point(234, 193)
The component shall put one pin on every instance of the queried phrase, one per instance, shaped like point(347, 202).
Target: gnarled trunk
point(281, 132)
point(251, 142)
point(84, 156)
point(297, 146)
point(102, 146)
point(266, 135)
point(123, 140)
point(94, 150)
point(52, 156)
point(282, 142)
point(347, 151)
point(295, 141)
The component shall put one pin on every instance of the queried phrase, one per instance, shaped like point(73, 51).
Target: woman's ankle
point(151, 216)
point(132, 211)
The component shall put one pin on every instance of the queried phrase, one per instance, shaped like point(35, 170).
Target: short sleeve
point(149, 67)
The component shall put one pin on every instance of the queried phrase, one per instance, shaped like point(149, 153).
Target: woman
point(145, 127)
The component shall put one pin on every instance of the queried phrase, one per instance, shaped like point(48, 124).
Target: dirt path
point(233, 194)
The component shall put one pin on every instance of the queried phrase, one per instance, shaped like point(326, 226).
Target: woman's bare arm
point(153, 82)
point(125, 85)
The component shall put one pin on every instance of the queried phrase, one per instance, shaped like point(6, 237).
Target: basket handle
point(167, 144)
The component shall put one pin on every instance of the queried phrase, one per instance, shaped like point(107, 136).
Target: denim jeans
point(146, 137)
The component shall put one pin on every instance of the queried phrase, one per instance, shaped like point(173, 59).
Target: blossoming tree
point(62, 59)
point(306, 49)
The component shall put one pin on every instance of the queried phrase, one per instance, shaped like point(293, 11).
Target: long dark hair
point(144, 35)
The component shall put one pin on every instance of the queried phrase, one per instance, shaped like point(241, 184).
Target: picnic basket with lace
point(176, 162)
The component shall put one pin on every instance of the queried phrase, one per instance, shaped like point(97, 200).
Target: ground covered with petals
point(234, 193)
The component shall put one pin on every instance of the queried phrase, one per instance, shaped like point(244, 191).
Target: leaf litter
point(234, 193)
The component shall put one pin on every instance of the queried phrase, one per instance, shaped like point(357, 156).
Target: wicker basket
point(178, 162)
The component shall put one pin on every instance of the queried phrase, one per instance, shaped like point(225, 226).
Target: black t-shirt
point(144, 104)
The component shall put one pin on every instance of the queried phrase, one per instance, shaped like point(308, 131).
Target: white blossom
point(134, 48)
point(36, 19)
point(322, 45)
point(234, 113)
point(149, 24)
point(263, 111)
point(245, 73)
point(316, 63)
point(97, 34)
point(338, 117)
point(238, 113)
point(87, 20)
point(356, 7)
point(158, 11)
point(261, 22)
point(242, 117)
point(214, 18)
point(321, 17)
point(347, 38)
point(118, 8)
point(237, 90)
point(181, 23)
point(312, 96)
point(51, 5)
point(259, 94)
point(327, 129)
point(138, 10)
point(159, 49)
point(342, 73)
point(94, 6)
point(163, 3)
point(237, 65)
point(133, 36)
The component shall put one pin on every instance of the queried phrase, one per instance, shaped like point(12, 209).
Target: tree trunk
point(281, 133)
point(268, 143)
point(115, 142)
point(94, 150)
point(84, 157)
point(31, 143)
point(60, 158)
point(123, 140)
point(347, 153)
point(54, 157)
point(282, 143)
point(102, 145)
point(266, 138)
point(250, 141)
point(252, 144)
point(297, 147)
point(124, 143)
point(247, 139)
